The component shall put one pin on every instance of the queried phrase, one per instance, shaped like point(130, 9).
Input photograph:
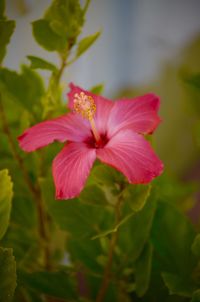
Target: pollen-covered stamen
point(85, 105)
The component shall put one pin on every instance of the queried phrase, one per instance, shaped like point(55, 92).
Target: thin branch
point(108, 268)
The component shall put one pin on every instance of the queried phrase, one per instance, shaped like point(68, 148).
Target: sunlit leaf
point(46, 37)
point(6, 193)
point(85, 43)
point(7, 275)
point(39, 63)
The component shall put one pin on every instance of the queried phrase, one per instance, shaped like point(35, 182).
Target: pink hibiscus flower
point(99, 128)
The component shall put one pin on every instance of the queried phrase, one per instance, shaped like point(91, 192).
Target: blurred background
point(145, 46)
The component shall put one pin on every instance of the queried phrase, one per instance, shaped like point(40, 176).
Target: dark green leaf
point(85, 43)
point(6, 30)
point(93, 195)
point(55, 284)
point(80, 220)
point(143, 270)
point(85, 252)
point(136, 232)
point(6, 193)
point(7, 275)
point(105, 175)
point(178, 286)
point(196, 246)
point(38, 63)
point(2, 8)
point(26, 88)
point(46, 37)
point(193, 80)
point(137, 195)
point(172, 237)
point(196, 296)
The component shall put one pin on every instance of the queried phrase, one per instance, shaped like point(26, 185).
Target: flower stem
point(108, 268)
point(34, 189)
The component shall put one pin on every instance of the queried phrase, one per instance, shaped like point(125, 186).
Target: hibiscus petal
point(138, 114)
point(71, 168)
point(131, 154)
point(67, 127)
point(103, 106)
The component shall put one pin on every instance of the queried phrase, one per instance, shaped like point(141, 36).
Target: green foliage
point(38, 63)
point(21, 87)
point(6, 31)
point(61, 25)
point(85, 43)
point(7, 275)
point(55, 284)
point(98, 89)
point(6, 194)
point(143, 270)
point(136, 238)
point(137, 196)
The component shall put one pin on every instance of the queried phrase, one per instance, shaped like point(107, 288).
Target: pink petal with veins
point(71, 168)
point(103, 106)
point(67, 127)
point(139, 114)
point(131, 154)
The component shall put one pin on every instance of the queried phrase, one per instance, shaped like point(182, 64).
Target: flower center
point(85, 106)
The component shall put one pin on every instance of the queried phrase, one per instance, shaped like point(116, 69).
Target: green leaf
point(67, 213)
point(6, 30)
point(137, 195)
point(6, 194)
point(85, 43)
point(66, 18)
point(46, 37)
point(136, 232)
point(2, 8)
point(85, 252)
point(196, 246)
point(25, 87)
point(61, 25)
point(7, 275)
point(38, 63)
point(172, 237)
point(106, 176)
point(55, 284)
point(93, 195)
point(193, 80)
point(178, 286)
point(196, 296)
point(98, 89)
point(143, 270)
point(113, 230)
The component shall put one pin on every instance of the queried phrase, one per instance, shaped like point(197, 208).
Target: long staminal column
point(85, 105)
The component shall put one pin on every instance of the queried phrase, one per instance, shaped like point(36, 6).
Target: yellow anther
point(84, 105)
